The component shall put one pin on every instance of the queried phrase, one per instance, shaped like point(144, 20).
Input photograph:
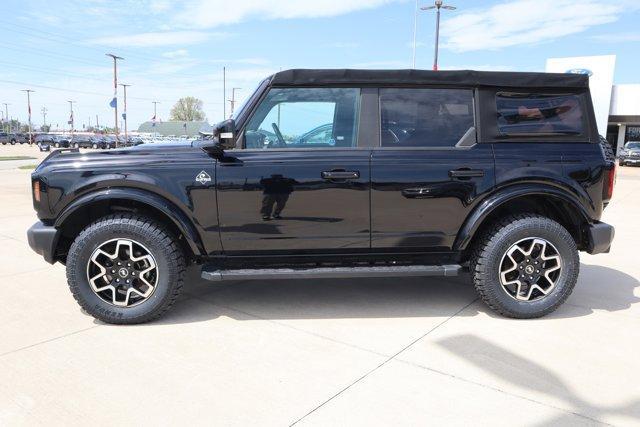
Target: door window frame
point(474, 108)
point(361, 142)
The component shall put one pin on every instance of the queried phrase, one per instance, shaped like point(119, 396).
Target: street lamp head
point(449, 7)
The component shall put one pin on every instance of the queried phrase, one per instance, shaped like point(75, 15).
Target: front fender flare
point(489, 204)
point(178, 217)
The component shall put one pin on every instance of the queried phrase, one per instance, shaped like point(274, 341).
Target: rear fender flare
point(476, 218)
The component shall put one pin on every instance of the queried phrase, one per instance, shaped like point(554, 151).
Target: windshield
point(632, 145)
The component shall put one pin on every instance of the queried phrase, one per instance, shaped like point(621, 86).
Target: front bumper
point(43, 240)
point(630, 160)
point(600, 238)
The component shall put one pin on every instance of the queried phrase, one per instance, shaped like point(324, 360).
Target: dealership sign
point(600, 71)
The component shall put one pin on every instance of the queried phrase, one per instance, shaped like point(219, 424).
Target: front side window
point(425, 117)
point(305, 118)
point(538, 114)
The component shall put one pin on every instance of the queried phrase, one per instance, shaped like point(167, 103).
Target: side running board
point(210, 273)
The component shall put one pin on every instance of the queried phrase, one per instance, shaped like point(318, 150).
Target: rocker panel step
point(212, 274)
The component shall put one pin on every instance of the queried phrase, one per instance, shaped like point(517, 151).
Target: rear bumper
point(600, 238)
point(43, 240)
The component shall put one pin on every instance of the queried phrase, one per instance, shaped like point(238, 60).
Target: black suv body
point(413, 173)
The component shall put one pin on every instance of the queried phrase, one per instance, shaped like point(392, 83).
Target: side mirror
point(225, 132)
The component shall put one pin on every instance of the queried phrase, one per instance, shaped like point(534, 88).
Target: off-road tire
point(154, 236)
point(486, 258)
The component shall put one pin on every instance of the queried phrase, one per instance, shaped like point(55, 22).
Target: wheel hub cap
point(530, 269)
point(122, 272)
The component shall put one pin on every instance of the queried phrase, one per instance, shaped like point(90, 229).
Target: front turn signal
point(36, 191)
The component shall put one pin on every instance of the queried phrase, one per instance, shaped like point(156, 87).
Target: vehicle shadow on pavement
point(598, 288)
point(526, 374)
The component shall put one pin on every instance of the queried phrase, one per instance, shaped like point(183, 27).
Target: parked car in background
point(630, 154)
point(13, 138)
point(80, 141)
point(44, 141)
point(60, 141)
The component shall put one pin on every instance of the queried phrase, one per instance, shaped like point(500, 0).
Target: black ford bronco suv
point(343, 173)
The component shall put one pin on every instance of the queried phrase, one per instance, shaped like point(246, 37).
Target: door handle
point(416, 193)
point(340, 174)
point(466, 173)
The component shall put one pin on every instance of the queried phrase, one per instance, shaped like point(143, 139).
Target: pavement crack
point(48, 340)
point(390, 358)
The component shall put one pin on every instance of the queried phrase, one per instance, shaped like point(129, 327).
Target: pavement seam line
point(304, 331)
point(384, 362)
point(48, 340)
point(499, 390)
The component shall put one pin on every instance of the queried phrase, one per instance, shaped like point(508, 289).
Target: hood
point(126, 157)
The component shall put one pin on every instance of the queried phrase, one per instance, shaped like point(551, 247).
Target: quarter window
point(538, 114)
point(305, 118)
point(425, 117)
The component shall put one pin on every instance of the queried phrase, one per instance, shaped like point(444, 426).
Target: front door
point(428, 173)
point(299, 183)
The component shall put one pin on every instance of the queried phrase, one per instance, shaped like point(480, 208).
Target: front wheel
point(125, 269)
point(525, 266)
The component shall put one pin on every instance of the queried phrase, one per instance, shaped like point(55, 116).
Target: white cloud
point(525, 22)
point(151, 39)
point(180, 53)
point(617, 37)
point(212, 13)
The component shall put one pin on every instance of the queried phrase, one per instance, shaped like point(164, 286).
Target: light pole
point(71, 120)
point(44, 116)
point(439, 4)
point(232, 101)
point(124, 114)
point(29, 109)
point(114, 102)
point(155, 117)
point(6, 115)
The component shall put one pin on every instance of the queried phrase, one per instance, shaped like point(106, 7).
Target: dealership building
point(624, 115)
point(617, 107)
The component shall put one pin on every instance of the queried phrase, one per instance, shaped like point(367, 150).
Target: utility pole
point(232, 101)
point(114, 102)
point(44, 116)
point(124, 114)
point(29, 109)
point(71, 118)
point(97, 123)
point(224, 93)
point(439, 4)
point(6, 115)
point(155, 117)
point(415, 32)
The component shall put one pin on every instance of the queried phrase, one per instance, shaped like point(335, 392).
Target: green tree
point(188, 109)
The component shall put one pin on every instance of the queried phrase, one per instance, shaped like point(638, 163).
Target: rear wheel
point(94, 146)
point(525, 266)
point(13, 142)
point(125, 269)
point(57, 145)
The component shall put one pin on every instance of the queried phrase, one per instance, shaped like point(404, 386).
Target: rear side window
point(521, 114)
point(425, 117)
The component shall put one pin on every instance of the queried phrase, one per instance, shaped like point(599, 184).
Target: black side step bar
point(212, 274)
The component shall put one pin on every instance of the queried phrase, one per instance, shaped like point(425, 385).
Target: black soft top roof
point(309, 77)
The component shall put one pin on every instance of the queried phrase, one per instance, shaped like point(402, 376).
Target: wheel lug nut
point(128, 280)
point(133, 273)
point(113, 271)
point(119, 263)
point(118, 280)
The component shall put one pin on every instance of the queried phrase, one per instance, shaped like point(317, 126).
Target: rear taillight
point(36, 191)
point(611, 182)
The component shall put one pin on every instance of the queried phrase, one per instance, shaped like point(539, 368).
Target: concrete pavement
point(320, 352)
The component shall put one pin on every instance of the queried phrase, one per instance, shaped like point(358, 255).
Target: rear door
point(300, 183)
point(428, 172)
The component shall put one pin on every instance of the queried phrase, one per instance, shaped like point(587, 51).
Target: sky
point(178, 48)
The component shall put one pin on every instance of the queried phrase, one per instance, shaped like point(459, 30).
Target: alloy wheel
point(122, 272)
point(530, 269)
